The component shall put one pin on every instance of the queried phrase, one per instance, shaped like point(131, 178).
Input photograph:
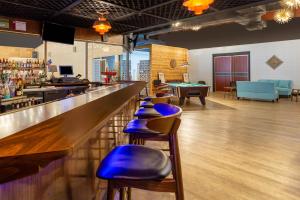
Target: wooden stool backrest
point(164, 124)
point(156, 100)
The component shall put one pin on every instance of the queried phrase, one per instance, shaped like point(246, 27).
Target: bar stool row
point(137, 166)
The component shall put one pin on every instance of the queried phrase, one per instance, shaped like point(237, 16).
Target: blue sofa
point(284, 87)
point(257, 90)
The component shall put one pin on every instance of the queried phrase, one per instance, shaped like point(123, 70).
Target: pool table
point(187, 90)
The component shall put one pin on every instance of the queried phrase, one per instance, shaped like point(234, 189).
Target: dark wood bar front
point(51, 151)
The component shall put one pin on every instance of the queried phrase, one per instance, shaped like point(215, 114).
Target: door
point(240, 64)
point(222, 72)
point(230, 67)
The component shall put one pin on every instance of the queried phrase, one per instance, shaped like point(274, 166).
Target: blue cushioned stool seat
point(147, 104)
point(134, 162)
point(158, 110)
point(147, 113)
point(166, 109)
point(139, 126)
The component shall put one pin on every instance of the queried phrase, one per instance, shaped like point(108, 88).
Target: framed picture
point(161, 77)
point(186, 78)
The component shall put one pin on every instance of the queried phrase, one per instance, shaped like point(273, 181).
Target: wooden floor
point(238, 150)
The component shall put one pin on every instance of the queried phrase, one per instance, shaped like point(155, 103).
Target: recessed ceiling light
point(176, 24)
point(196, 28)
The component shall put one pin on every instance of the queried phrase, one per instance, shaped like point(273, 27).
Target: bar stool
point(136, 166)
point(148, 102)
point(158, 110)
point(138, 129)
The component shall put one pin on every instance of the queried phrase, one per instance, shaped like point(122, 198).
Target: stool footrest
point(166, 185)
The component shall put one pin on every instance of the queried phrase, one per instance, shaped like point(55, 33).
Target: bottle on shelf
point(6, 92)
point(1, 90)
point(19, 87)
point(44, 64)
point(12, 87)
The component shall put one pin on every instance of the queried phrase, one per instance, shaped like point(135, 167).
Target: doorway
point(230, 67)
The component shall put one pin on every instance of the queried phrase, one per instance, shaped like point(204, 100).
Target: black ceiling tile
point(12, 10)
point(74, 21)
point(54, 5)
point(173, 11)
point(94, 8)
point(136, 4)
point(121, 28)
point(141, 20)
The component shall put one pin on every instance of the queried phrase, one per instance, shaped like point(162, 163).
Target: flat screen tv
point(66, 70)
point(58, 33)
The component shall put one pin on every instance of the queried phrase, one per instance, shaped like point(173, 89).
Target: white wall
point(63, 54)
point(75, 55)
point(288, 51)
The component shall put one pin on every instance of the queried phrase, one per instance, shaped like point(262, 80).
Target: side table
point(296, 94)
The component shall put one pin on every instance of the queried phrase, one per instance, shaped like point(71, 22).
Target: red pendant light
point(197, 6)
point(102, 26)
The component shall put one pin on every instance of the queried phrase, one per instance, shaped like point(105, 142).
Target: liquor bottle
point(6, 92)
point(19, 87)
point(44, 64)
point(1, 90)
point(33, 63)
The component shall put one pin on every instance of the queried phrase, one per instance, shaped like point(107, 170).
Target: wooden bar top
point(50, 131)
point(18, 121)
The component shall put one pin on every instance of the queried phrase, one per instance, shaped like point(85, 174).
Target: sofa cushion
point(284, 84)
point(276, 82)
point(283, 89)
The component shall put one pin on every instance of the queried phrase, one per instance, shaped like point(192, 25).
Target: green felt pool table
point(187, 90)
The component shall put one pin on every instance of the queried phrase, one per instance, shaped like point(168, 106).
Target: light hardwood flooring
point(238, 150)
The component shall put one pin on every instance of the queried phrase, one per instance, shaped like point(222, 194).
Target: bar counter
point(35, 142)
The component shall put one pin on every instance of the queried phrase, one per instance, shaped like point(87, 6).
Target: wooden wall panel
point(33, 27)
point(7, 52)
point(161, 57)
point(86, 34)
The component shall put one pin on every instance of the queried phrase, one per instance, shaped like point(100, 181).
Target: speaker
point(104, 38)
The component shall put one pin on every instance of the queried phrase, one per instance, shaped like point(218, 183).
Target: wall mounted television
point(58, 33)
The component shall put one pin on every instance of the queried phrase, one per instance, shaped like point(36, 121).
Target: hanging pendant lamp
point(102, 26)
point(197, 6)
